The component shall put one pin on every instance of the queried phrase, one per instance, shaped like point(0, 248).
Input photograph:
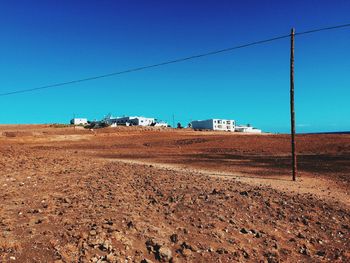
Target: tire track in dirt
point(320, 187)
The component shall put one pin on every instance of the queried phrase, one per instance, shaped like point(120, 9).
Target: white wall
point(142, 121)
point(247, 129)
point(224, 125)
point(79, 121)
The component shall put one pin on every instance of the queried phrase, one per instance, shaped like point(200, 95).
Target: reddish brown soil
point(142, 195)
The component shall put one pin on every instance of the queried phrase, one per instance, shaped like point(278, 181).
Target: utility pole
point(173, 120)
point(292, 113)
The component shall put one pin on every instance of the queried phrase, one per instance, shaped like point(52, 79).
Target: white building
point(214, 124)
point(247, 129)
point(135, 121)
point(78, 121)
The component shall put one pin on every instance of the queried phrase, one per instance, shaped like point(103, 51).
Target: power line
point(144, 67)
point(171, 61)
point(321, 29)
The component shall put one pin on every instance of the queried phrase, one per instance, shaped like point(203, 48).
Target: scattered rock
point(320, 253)
point(244, 193)
point(304, 250)
point(93, 233)
point(67, 200)
point(186, 252)
point(130, 224)
point(244, 231)
point(215, 192)
point(164, 254)
point(174, 238)
point(258, 235)
point(39, 221)
point(300, 235)
point(221, 251)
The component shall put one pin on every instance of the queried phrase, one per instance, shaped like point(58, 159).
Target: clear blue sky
point(43, 42)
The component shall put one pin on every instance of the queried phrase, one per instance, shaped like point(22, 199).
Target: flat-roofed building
point(78, 121)
point(247, 129)
point(214, 124)
point(135, 121)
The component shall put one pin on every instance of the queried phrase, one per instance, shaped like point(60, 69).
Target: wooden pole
point(292, 112)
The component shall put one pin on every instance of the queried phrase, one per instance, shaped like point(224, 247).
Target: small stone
point(320, 253)
point(130, 224)
point(221, 251)
point(304, 250)
point(232, 222)
point(93, 233)
point(106, 245)
point(187, 252)
point(245, 254)
point(244, 231)
point(214, 192)
point(305, 221)
point(39, 221)
point(174, 238)
point(300, 235)
point(165, 254)
point(258, 235)
point(66, 200)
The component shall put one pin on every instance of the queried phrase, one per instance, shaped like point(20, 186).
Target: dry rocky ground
point(135, 195)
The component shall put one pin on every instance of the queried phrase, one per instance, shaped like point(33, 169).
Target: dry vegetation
point(148, 195)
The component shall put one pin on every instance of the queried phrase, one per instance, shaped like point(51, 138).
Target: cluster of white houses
point(122, 121)
point(210, 124)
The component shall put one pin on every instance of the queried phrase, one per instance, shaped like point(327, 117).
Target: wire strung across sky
point(171, 61)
